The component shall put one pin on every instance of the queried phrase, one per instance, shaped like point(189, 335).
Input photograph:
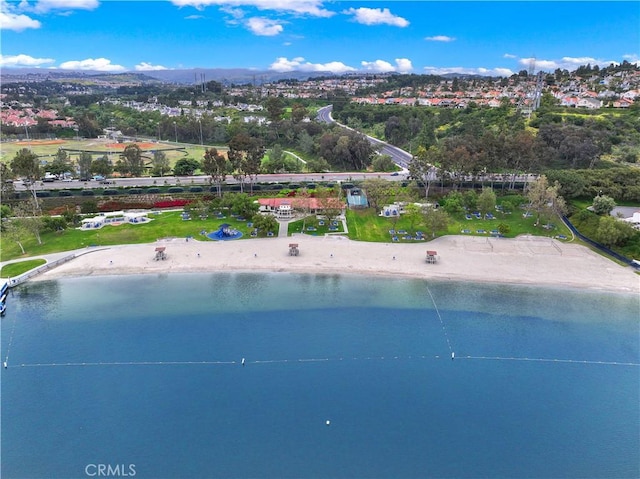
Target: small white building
point(115, 218)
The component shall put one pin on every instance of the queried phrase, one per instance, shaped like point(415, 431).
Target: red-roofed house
point(285, 207)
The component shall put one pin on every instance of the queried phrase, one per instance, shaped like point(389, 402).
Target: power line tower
point(530, 100)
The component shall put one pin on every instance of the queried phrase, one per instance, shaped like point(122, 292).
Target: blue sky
point(492, 38)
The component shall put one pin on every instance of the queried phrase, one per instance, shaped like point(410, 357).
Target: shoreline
point(525, 260)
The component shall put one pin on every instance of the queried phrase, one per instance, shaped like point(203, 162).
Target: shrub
point(89, 207)
point(175, 189)
point(43, 194)
point(196, 189)
point(87, 193)
point(65, 193)
point(110, 192)
point(134, 191)
point(171, 203)
point(153, 191)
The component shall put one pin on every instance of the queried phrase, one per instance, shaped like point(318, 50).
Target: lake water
point(142, 376)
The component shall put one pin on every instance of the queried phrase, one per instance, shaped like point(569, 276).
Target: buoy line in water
point(13, 329)
point(444, 329)
point(550, 360)
point(314, 360)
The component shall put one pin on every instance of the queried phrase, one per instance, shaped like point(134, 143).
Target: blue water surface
point(147, 371)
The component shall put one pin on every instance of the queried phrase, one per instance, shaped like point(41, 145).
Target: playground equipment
point(432, 256)
point(160, 253)
point(293, 249)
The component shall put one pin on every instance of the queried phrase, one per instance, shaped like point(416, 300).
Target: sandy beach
point(524, 260)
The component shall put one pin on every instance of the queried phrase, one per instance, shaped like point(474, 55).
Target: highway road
point(202, 180)
point(400, 157)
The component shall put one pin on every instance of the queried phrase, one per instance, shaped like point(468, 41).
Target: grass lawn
point(314, 227)
point(166, 224)
point(367, 225)
point(16, 269)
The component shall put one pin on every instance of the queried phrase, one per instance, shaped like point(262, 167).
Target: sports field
point(47, 149)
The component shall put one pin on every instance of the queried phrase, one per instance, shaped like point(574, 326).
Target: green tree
point(60, 164)
point(276, 162)
point(186, 167)
point(298, 112)
point(612, 232)
point(318, 165)
point(100, 166)
point(423, 166)
point(414, 215)
point(603, 204)
point(453, 203)
point(215, 165)
point(27, 165)
point(305, 142)
point(131, 162)
point(435, 219)
point(245, 155)
point(275, 108)
point(85, 163)
point(487, 200)
point(265, 223)
point(383, 163)
point(160, 163)
point(7, 189)
point(379, 191)
point(544, 199)
point(243, 205)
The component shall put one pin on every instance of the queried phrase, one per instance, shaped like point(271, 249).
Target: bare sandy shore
point(524, 260)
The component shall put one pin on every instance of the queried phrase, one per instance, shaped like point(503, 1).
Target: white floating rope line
point(315, 360)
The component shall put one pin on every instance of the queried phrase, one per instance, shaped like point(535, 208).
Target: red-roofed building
point(284, 207)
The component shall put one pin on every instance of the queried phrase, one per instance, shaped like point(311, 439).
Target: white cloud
point(97, 64)
point(376, 16)
point(403, 65)
point(148, 67)
point(565, 63)
point(48, 5)
point(440, 38)
point(22, 61)
point(282, 64)
point(632, 58)
point(193, 17)
point(378, 66)
point(17, 22)
point(264, 26)
point(12, 19)
point(509, 55)
point(469, 71)
point(302, 7)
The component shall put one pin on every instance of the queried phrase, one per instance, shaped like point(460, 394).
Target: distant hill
point(227, 76)
point(189, 76)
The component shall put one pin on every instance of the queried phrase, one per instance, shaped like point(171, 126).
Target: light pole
point(175, 129)
point(200, 123)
